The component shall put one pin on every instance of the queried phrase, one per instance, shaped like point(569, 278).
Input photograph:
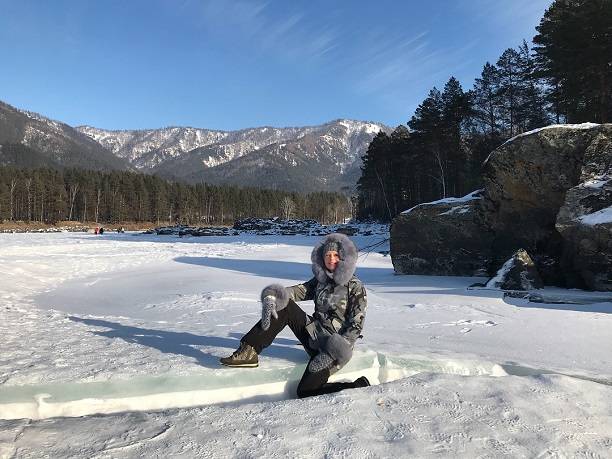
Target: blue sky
point(231, 64)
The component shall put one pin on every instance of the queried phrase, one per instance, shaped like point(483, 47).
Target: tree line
point(565, 77)
point(52, 195)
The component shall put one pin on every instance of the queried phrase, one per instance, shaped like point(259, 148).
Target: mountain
point(312, 158)
point(50, 143)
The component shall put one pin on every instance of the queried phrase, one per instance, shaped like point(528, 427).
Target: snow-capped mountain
point(310, 158)
point(301, 158)
point(46, 143)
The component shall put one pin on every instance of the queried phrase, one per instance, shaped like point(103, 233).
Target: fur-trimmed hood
point(347, 264)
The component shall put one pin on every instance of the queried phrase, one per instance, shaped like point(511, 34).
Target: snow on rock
point(50, 229)
point(474, 195)
point(600, 217)
point(595, 182)
point(554, 126)
point(517, 273)
point(275, 226)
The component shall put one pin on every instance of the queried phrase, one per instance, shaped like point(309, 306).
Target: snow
point(132, 326)
point(498, 279)
point(595, 182)
point(597, 218)
point(474, 195)
point(457, 210)
point(353, 127)
point(555, 126)
point(583, 126)
point(149, 148)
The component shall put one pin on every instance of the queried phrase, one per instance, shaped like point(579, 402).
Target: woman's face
point(331, 259)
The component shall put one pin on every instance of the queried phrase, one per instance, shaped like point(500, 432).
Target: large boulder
point(585, 223)
point(534, 198)
point(444, 237)
point(525, 181)
point(585, 218)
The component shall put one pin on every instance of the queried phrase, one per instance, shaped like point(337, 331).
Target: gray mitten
point(268, 309)
point(273, 298)
point(339, 348)
point(321, 361)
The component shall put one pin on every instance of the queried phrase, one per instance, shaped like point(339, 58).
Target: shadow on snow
point(182, 343)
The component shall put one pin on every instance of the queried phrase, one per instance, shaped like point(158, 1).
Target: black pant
point(311, 383)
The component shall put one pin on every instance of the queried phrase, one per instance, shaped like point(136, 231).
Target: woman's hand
point(273, 298)
point(268, 309)
point(336, 350)
point(321, 361)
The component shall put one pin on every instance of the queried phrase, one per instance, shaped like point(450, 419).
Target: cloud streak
point(257, 26)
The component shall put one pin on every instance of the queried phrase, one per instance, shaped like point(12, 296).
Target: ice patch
point(222, 385)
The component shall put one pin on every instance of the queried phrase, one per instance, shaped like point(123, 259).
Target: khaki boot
point(245, 356)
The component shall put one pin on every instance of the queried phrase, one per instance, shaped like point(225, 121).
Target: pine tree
point(487, 100)
point(532, 111)
point(573, 48)
point(373, 200)
point(509, 90)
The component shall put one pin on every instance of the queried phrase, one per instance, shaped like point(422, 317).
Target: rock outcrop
point(443, 237)
point(518, 273)
point(547, 191)
point(585, 224)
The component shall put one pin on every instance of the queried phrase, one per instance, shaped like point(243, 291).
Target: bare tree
point(98, 203)
point(382, 187)
point(28, 187)
point(73, 194)
point(42, 203)
point(84, 206)
point(287, 207)
point(442, 171)
point(13, 185)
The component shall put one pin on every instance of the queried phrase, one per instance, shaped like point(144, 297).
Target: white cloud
point(255, 26)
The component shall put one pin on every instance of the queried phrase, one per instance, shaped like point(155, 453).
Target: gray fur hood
point(347, 264)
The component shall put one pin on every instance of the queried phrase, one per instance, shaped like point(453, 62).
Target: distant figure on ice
point(328, 336)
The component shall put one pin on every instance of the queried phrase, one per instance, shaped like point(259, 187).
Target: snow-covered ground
point(132, 326)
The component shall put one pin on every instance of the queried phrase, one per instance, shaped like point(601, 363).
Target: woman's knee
point(311, 382)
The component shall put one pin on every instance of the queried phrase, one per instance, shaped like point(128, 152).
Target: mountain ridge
point(305, 158)
point(331, 151)
point(55, 141)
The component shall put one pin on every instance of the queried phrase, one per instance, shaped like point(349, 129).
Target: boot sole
point(242, 365)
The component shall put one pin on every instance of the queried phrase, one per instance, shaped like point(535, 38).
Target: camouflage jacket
point(338, 308)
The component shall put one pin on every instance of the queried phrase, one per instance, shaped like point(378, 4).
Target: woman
point(329, 335)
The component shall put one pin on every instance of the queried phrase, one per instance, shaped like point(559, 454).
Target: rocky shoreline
point(274, 226)
point(547, 192)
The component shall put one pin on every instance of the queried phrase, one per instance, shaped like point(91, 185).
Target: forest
point(52, 195)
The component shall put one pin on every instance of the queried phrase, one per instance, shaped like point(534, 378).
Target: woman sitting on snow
point(329, 335)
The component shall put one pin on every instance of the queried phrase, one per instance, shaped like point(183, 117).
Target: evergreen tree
point(374, 202)
point(486, 101)
point(532, 111)
point(573, 48)
point(509, 90)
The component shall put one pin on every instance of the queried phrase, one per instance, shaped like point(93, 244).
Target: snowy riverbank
point(137, 322)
